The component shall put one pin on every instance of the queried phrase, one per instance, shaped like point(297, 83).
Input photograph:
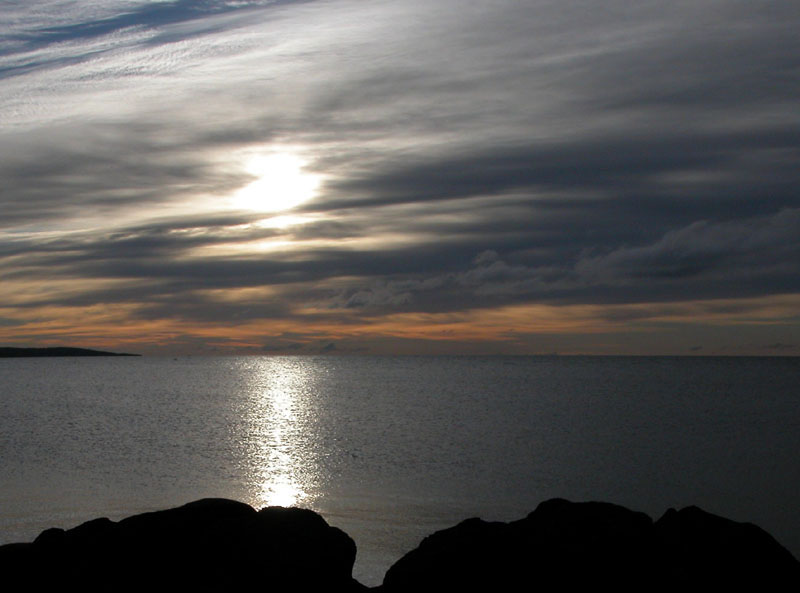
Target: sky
point(401, 176)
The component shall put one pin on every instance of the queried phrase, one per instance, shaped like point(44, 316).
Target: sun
point(281, 183)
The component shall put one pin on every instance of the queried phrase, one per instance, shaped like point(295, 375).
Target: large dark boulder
point(561, 545)
point(706, 550)
point(208, 545)
point(474, 553)
point(572, 546)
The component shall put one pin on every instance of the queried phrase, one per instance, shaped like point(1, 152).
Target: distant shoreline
point(8, 352)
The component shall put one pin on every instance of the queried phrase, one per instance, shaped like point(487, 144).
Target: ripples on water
point(390, 449)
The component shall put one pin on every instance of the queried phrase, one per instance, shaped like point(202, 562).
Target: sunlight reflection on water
point(281, 464)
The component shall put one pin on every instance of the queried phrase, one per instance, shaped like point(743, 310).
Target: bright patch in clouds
point(528, 177)
point(280, 183)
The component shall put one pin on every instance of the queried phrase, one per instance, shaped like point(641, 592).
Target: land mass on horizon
point(10, 352)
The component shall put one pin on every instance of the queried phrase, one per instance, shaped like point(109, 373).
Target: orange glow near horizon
point(117, 327)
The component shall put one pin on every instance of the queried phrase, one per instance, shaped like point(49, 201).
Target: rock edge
point(219, 544)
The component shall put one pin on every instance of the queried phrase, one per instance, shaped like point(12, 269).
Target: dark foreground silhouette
point(223, 545)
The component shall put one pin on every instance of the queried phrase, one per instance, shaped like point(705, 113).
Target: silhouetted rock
point(712, 551)
point(571, 546)
point(223, 545)
point(473, 553)
point(560, 544)
point(208, 545)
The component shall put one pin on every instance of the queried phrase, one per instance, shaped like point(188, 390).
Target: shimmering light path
point(279, 408)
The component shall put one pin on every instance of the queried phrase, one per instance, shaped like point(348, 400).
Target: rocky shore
point(224, 545)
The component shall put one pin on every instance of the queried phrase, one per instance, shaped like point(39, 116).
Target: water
point(393, 448)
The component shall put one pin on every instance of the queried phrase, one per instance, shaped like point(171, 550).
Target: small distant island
point(9, 352)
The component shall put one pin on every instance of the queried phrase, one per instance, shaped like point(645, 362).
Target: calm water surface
point(392, 448)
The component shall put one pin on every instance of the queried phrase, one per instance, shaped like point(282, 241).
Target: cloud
point(10, 322)
point(77, 25)
point(743, 258)
point(761, 250)
point(522, 153)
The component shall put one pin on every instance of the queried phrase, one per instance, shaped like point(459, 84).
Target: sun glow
point(280, 183)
